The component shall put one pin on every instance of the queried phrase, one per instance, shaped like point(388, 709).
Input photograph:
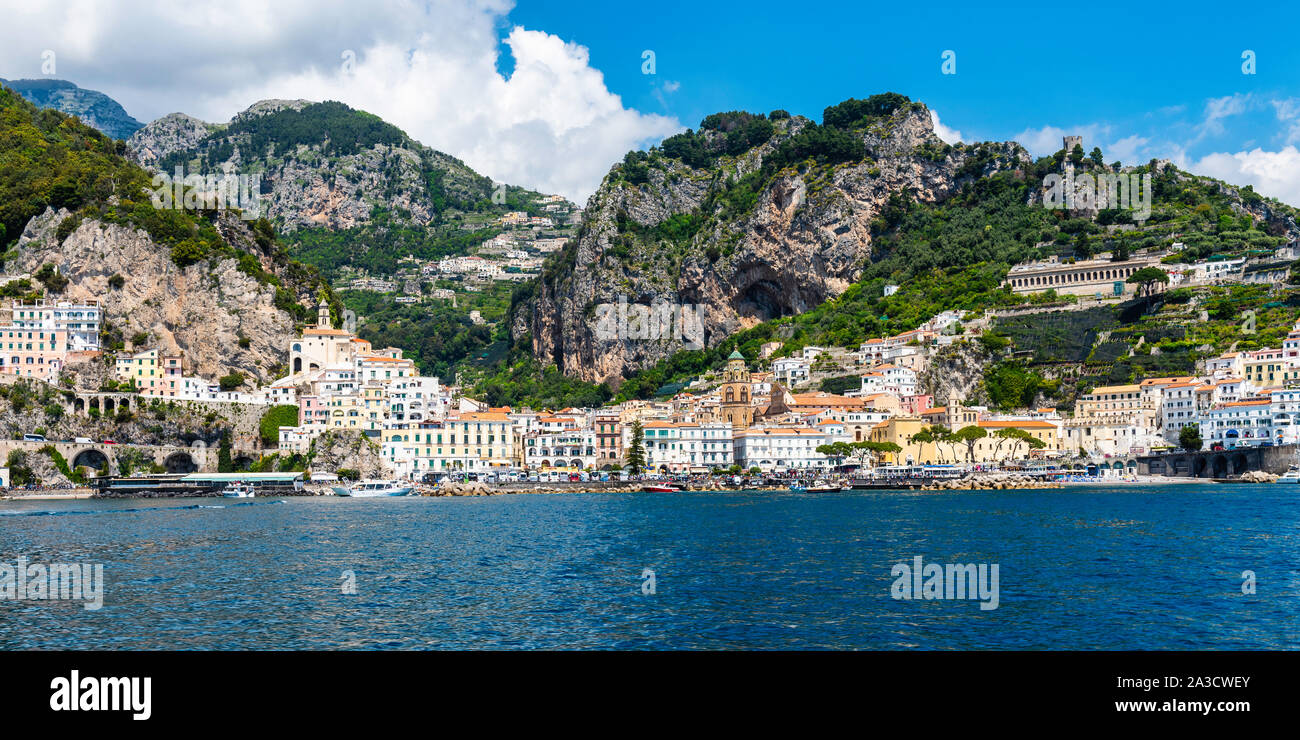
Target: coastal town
point(769, 421)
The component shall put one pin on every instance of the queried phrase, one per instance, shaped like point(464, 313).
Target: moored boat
point(822, 486)
point(659, 488)
point(238, 489)
point(1291, 476)
point(373, 489)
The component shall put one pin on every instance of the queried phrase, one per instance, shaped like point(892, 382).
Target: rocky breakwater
point(1258, 476)
point(990, 482)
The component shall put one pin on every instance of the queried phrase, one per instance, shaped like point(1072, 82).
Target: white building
point(685, 447)
point(782, 449)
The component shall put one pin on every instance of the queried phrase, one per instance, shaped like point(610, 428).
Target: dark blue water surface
point(1089, 568)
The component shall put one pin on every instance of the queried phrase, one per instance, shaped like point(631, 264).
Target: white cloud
point(1288, 112)
point(945, 134)
point(429, 68)
point(1275, 174)
point(1217, 109)
point(1126, 150)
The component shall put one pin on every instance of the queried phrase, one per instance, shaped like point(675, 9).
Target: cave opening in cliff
point(762, 300)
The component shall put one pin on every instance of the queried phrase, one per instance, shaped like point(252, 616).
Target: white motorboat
point(238, 489)
point(373, 489)
point(1291, 476)
point(822, 486)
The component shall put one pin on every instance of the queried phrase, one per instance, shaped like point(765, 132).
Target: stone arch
point(180, 462)
point(1237, 463)
point(575, 464)
point(243, 462)
point(90, 458)
point(1219, 466)
point(78, 404)
point(108, 405)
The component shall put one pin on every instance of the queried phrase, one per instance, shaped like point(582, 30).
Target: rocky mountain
point(174, 132)
point(751, 218)
point(78, 220)
point(94, 108)
point(777, 228)
point(324, 165)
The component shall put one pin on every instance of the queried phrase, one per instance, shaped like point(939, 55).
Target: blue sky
point(550, 94)
point(1139, 81)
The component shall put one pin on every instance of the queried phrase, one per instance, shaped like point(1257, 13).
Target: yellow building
point(474, 441)
point(155, 374)
point(1266, 369)
point(991, 449)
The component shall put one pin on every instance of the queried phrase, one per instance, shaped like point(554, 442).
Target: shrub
point(232, 381)
point(284, 415)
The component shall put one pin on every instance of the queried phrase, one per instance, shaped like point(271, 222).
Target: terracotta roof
point(1023, 424)
point(483, 416)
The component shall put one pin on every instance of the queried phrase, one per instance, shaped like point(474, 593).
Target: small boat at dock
point(238, 489)
point(819, 486)
point(373, 489)
point(659, 488)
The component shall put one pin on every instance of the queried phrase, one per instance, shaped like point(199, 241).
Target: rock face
point(203, 310)
point(313, 184)
point(173, 132)
point(29, 405)
point(955, 370)
point(333, 451)
point(94, 108)
point(804, 239)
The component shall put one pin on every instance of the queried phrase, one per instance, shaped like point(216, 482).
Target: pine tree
point(636, 450)
point(224, 463)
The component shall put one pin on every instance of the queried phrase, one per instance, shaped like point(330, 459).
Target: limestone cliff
point(742, 238)
point(339, 450)
point(205, 310)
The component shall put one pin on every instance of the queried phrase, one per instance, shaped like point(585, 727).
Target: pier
point(1210, 464)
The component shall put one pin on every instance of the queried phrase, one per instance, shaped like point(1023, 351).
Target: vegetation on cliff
point(51, 160)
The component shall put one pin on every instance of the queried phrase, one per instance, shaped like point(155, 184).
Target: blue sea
point(1094, 568)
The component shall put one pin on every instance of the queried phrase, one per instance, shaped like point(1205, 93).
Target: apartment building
point(37, 339)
